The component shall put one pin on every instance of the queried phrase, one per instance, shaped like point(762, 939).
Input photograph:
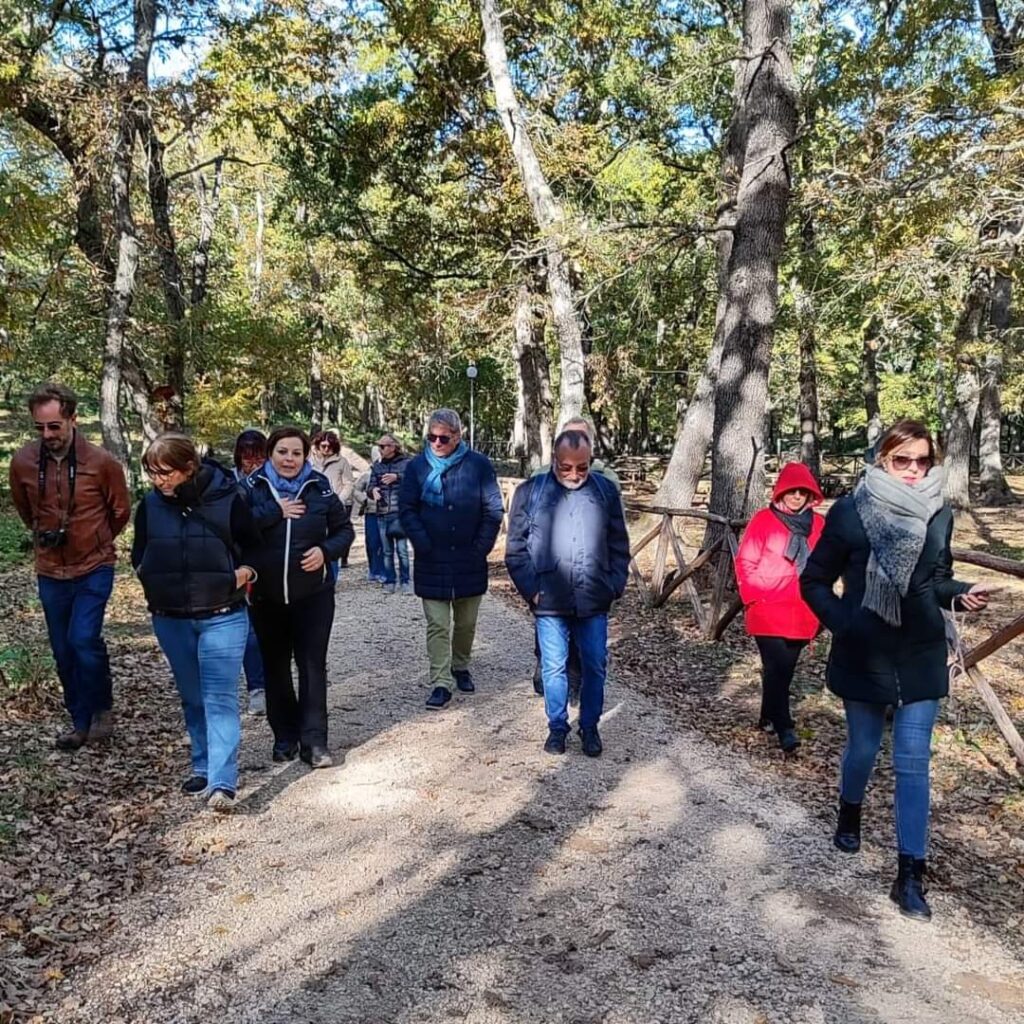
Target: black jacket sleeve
point(946, 587)
point(824, 567)
point(243, 526)
point(139, 536)
point(492, 510)
point(618, 545)
point(340, 533)
point(409, 512)
point(517, 551)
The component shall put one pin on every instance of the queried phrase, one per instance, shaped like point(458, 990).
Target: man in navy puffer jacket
point(568, 555)
point(451, 510)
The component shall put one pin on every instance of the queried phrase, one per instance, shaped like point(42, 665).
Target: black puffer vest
point(188, 565)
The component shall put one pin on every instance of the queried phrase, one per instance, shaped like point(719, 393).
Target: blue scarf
point(285, 487)
point(433, 491)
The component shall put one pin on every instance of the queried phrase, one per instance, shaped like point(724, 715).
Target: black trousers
point(301, 631)
point(778, 660)
point(344, 555)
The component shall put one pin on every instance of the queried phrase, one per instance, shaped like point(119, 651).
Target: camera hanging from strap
point(72, 458)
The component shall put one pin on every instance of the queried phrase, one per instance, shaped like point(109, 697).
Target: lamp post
point(471, 372)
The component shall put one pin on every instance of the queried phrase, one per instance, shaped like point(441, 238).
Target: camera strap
point(72, 460)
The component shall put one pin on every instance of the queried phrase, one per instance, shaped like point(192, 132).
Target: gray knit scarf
point(895, 517)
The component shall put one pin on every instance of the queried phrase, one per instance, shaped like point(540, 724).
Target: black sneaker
point(555, 743)
point(285, 752)
point(463, 680)
point(789, 741)
point(591, 740)
point(194, 786)
point(439, 697)
point(316, 757)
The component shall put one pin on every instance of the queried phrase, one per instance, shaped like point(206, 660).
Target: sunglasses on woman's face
point(438, 438)
point(903, 462)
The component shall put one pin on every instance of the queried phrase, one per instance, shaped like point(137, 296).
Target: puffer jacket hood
point(796, 475)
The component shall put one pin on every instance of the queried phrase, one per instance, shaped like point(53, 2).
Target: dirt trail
point(445, 869)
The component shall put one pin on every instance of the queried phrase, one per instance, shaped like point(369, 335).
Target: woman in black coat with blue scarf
point(305, 530)
point(890, 543)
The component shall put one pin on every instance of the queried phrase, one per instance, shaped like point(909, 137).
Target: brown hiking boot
point(102, 727)
point(72, 740)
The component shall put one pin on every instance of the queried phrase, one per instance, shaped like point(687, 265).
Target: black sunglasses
point(438, 438)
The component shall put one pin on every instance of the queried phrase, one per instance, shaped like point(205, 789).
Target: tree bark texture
point(547, 214)
point(959, 432)
point(869, 383)
point(534, 404)
point(122, 290)
point(769, 114)
point(695, 420)
point(994, 489)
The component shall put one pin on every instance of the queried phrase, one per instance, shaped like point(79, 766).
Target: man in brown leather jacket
point(72, 495)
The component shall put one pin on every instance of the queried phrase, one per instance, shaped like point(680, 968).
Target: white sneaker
point(221, 802)
point(257, 702)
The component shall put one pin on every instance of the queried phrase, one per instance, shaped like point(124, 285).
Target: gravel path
point(446, 869)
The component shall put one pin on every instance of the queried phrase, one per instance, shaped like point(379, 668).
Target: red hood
point(794, 475)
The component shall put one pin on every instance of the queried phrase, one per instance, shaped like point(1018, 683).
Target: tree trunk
point(122, 291)
point(959, 433)
point(869, 383)
point(994, 489)
point(547, 215)
point(807, 404)
point(257, 261)
point(807, 407)
point(695, 420)
point(532, 436)
point(769, 115)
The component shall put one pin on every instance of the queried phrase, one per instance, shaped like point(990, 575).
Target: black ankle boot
point(908, 889)
point(847, 837)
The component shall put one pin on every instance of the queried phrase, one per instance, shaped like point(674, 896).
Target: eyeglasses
point(438, 438)
point(159, 474)
point(324, 446)
point(903, 462)
point(386, 444)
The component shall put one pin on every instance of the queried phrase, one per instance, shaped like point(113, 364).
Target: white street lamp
point(471, 373)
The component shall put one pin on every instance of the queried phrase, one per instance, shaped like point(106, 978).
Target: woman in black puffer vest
point(305, 529)
point(189, 531)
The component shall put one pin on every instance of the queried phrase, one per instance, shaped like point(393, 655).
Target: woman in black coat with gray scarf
point(890, 543)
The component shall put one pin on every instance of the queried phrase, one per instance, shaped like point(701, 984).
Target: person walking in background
point(72, 495)
point(367, 508)
point(772, 553)
point(451, 510)
point(249, 455)
point(567, 552)
point(327, 459)
point(305, 528)
point(583, 424)
point(189, 532)
point(890, 543)
point(385, 484)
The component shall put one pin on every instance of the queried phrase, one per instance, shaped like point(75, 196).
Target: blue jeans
point(253, 662)
point(206, 656)
point(591, 636)
point(911, 753)
point(391, 546)
point(374, 546)
point(74, 611)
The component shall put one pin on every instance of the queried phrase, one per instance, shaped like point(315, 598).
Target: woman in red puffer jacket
point(774, 549)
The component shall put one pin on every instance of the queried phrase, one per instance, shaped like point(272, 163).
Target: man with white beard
point(568, 555)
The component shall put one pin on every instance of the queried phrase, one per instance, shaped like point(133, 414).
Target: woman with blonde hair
point(189, 534)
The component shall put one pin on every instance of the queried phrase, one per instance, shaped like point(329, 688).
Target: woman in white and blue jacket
point(305, 529)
